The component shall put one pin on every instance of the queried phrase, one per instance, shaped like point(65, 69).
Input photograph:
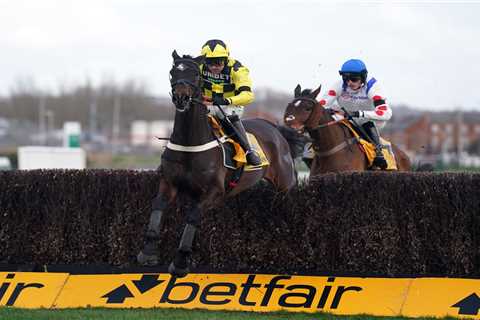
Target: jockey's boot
point(252, 156)
point(379, 160)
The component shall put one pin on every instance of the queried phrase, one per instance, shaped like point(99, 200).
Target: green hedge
point(385, 224)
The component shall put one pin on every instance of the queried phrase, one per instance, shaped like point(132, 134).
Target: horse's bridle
point(314, 103)
point(183, 103)
point(323, 125)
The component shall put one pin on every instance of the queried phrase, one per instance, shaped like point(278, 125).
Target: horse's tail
point(296, 141)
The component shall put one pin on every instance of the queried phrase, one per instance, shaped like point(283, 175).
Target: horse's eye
point(308, 109)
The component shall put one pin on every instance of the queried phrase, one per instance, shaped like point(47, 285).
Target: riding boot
point(379, 160)
point(252, 156)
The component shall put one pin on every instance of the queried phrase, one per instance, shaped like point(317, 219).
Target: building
point(450, 134)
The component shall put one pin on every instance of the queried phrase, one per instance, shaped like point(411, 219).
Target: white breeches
point(229, 110)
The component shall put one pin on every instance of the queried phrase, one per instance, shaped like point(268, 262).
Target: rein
point(338, 147)
point(324, 125)
point(315, 103)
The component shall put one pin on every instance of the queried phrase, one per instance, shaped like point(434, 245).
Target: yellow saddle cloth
point(239, 154)
point(369, 149)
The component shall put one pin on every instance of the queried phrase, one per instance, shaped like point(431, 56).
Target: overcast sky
point(424, 53)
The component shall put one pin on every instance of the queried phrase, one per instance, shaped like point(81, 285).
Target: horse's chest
point(190, 174)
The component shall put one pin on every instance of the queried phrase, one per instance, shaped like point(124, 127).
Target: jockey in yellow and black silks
point(227, 83)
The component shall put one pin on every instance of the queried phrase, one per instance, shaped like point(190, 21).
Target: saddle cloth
point(233, 154)
point(369, 149)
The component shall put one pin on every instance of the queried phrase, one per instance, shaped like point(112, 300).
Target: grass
point(171, 314)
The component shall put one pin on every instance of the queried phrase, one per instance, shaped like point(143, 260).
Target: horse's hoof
point(177, 272)
point(147, 260)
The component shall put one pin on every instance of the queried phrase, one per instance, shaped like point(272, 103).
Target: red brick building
point(432, 133)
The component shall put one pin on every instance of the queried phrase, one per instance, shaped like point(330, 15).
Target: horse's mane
point(187, 56)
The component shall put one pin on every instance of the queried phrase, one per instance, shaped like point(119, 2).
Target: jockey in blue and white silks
point(363, 99)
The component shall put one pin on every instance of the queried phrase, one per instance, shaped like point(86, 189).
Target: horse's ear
point(175, 55)
point(315, 93)
point(298, 91)
point(200, 59)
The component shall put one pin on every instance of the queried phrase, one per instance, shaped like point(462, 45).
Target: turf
point(171, 314)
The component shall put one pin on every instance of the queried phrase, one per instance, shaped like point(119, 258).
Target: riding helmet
point(215, 50)
point(354, 66)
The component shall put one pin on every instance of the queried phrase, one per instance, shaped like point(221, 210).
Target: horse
point(336, 148)
point(192, 168)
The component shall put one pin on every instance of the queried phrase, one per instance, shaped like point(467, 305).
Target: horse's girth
point(337, 148)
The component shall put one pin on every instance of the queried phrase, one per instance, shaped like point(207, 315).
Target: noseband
point(295, 103)
point(333, 150)
point(314, 104)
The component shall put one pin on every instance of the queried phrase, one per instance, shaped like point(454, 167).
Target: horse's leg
point(179, 266)
point(247, 180)
point(281, 172)
point(148, 255)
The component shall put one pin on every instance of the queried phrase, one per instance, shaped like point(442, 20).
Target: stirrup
point(253, 158)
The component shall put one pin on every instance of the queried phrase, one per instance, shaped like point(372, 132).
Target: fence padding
point(370, 223)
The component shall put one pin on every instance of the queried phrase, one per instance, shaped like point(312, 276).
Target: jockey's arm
point(329, 99)
point(382, 110)
point(243, 88)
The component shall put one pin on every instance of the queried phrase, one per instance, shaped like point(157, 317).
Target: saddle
point(369, 149)
point(233, 154)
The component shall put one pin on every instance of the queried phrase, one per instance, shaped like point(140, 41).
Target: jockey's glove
point(357, 114)
point(220, 101)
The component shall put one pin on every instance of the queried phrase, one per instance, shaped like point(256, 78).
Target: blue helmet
point(354, 66)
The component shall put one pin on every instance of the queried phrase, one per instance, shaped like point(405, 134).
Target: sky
point(425, 54)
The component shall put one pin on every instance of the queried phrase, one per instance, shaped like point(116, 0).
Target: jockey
point(226, 83)
point(362, 98)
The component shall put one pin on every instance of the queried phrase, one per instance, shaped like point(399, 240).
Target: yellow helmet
point(215, 49)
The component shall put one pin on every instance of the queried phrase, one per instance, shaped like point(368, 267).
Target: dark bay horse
point(192, 167)
point(335, 146)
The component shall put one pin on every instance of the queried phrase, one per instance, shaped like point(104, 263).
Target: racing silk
point(233, 83)
point(368, 100)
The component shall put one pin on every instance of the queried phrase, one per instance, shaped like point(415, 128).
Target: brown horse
point(192, 168)
point(336, 148)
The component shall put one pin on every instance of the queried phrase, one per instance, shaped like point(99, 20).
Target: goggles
point(351, 77)
point(215, 61)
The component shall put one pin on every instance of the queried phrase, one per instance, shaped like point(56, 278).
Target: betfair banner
point(413, 297)
point(236, 292)
point(30, 289)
